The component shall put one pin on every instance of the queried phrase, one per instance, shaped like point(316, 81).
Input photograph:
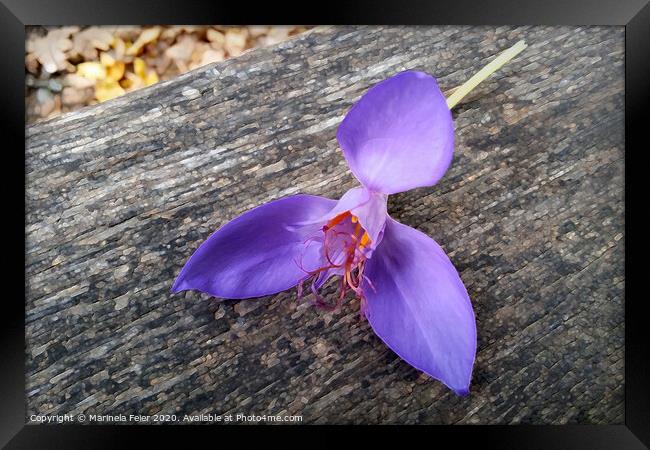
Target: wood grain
point(120, 194)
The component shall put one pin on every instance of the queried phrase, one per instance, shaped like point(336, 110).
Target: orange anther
point(365, 239)
point(357, 228)
point(337, 219)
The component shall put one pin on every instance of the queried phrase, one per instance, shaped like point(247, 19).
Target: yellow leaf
point(147, 36)
point(120, 47)
point(126, 83)
point(106, 59)
point(116, 71)
point(139, 67)
point(152, 77)
point(108, 89)
point(91, 70)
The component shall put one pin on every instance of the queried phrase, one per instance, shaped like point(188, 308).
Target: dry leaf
point(181, 52)
point(77, 81)
point(126, 83)
point(87, 42)
point(199, 49)
point(50, 49)
point(161, 63)
point(169, 34)
point(116, 71)
point(151, 78)
point(108, 89)
point(189, 29)
point(71, 96)
point(276, 35)
point(147, 36)
point(121, 59)
point(91, 70)
point(132, 81)
point(211, 56)
point(235, 41)
point(146, 77)
point(139, 67)
point(127, 32)
point(204, 54)
point(216, 37)
point(257, 31)
point(119, 48)
point(106, 59)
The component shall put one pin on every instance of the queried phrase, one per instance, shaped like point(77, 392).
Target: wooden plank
point(531, 213)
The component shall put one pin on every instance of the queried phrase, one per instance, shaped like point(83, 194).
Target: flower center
point(344, 245)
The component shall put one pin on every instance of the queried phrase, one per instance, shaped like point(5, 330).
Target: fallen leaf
point(88, 41)
point(257, 31)
point(126, 83)
point(235, 41)
point(108, 89)
point(116, 71)
point(50, 49)
point(169, 34)
point(127, 32)
point(204, 54)
point(147, 36)
point(151, 78)
point(211, 56)
point(77, 81)
point(276, 35)
point(199, 49)
point(161, 63)
point(131, 58)
point(216, 37)
point(71, 96)
point(106, 59)
point(139, 67)
point(181, 52)
point(91, 70)
point(119, 48)
point(132, 81)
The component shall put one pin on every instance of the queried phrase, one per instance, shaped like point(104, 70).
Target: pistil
point(343, 249)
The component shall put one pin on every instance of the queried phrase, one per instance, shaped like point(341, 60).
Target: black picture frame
point(16, 14)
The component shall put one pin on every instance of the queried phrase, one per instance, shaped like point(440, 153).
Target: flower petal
point(399, 135)
point(258, 253)
point(419, 307)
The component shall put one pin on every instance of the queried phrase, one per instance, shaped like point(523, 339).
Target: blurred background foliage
point(69, 67)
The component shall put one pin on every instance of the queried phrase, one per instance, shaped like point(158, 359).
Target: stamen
point(337, 219)
point(365, 239)
point(300, 288)
point(339, 244)
point(363, 307)
point(372, 286)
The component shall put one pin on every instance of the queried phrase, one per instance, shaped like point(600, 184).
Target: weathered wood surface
point(531, 213)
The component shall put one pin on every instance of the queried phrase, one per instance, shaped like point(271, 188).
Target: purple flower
point(397, 137)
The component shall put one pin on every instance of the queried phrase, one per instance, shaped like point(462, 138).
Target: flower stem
point(485, 72)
